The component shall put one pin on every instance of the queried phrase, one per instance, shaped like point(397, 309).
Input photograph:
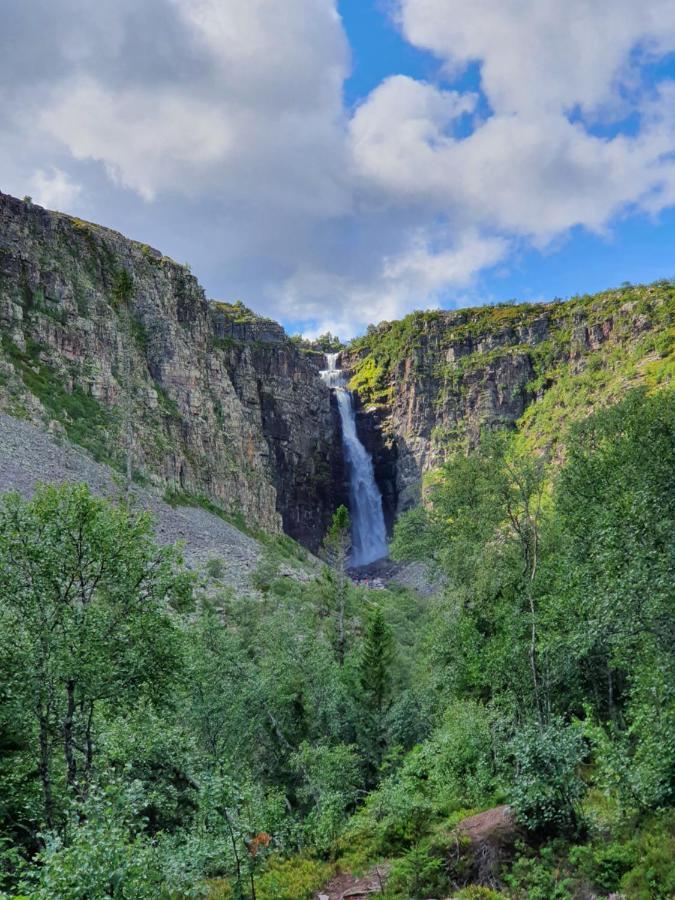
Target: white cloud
point(54, 189)
point(218, 131)
point(413, 278)
point(535, 176)
point(147, 142)
point(543, 55)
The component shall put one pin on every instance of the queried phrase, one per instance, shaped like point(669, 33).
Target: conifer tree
point(335, 550)
point(375, 683)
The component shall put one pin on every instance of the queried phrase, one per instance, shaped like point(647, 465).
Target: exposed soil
point(348, 887)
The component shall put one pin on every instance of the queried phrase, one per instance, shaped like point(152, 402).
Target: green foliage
point(653, 874)
point(337, 542)
point(330, 782)
point(175, 497)
point(107, 856)
point(325, 343)
point(477, 892)
point(547, 789)
point(374, 672)
point(539, 876)
point(123, 287)
point(84, 593)
point(152, 747)
point(85, 420)
point(606, 864)
point(572, 374)
point(293, 879)
point(214, 568)
point(417, 874)
point(383, 348)
point(558, 603)
point(613, 613)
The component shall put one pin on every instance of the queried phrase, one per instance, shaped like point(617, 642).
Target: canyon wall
point(113, 346)
point(428, 384)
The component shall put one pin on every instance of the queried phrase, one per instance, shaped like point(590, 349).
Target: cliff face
point(429, 383)
point(113, 345)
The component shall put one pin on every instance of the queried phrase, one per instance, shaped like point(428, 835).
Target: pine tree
point(335, 550)
point(375, 682)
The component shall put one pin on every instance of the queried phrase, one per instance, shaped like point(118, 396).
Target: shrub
point(292, 879)
point(417, 874)
point(605, 865)
point(539, 878)
point(123, 287)
point(653, 877)
point(215, 567)
point(547, 789)
point(104, 858)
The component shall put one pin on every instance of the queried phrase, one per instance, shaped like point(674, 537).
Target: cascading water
point(369, 534)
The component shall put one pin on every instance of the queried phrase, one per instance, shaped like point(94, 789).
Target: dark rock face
point(293, 412)
point(116, 345)
point(384, 452)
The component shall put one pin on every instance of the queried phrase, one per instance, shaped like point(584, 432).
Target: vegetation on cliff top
point(582, 352)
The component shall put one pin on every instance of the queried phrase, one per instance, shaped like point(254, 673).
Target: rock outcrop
point(114, 344)
point(111, 344)
point(429, 383)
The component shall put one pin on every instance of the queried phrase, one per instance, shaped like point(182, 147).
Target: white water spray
point(369, 534)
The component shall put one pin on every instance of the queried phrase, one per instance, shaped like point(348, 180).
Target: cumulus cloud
point(219, 132)
point(543, 55)
point(534, 176)
point(54, 189)
point(418, 270)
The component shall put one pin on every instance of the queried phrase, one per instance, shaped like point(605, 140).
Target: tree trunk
point(45, 775)
point(68, 739)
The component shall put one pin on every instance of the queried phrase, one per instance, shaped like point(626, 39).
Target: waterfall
point(369, 535)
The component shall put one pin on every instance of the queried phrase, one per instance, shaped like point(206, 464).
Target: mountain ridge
point(115, 347)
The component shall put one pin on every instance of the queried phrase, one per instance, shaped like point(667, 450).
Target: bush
point(292, 879)
point(653, 878)
point(215, 567)
point(417, 874)
point(539, 878)
point(547, 789)
point(106, 858)
point(605, 865)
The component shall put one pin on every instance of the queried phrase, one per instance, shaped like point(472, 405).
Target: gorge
point(193, 704)
point(114, 347)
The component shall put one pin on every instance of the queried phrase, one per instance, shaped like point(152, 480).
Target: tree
point(335, 549)
point(375, 684)
point(483, 529)
point(84, 593)
point(612, 611)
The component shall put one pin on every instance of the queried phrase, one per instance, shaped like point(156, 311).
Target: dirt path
point(349, 887)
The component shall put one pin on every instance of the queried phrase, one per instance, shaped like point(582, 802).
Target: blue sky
point(338, 162)
point(636, 248)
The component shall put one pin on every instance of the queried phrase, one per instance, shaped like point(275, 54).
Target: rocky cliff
point(112, 345)
point(429, 383)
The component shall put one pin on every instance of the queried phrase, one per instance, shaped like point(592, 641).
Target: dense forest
point(161, 737)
